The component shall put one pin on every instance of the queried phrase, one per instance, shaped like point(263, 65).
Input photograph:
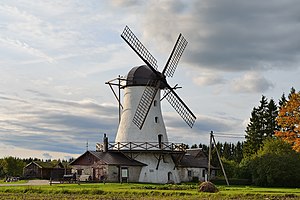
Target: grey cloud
point(47, 155)
point(204, 123)
point(38, 93)
point(208, 79)
point(55, 124)
point(251, 82)
point(125, 3)
point(233, 35)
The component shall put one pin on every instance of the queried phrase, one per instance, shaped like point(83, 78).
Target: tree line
point(13, 166)
point(270, 155)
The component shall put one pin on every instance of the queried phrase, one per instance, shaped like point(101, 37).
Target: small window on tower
point(155, 103)
point(156, 119)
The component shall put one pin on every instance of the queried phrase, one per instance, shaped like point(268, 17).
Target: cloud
point(229, 35)
point(27, 48)
point(47, 156)
point(179, 132)
point(209, 78)
point(251, 82)
point(54, 124)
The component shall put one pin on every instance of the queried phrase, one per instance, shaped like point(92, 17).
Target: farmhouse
point(45, 170)
point(108, 166)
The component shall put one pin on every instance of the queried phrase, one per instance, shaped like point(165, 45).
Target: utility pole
point(219, 158)
point(209, 156)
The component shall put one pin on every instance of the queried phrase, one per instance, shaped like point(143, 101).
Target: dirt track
point(30, 182)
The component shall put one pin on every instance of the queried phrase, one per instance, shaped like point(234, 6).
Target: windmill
point(159, 80)
point(141, 133)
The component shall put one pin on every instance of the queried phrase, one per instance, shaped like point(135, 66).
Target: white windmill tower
point(141, 133)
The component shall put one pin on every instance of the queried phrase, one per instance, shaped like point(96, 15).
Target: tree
point(282, 101)
point(276, 164)
point(262, 125)
point(226, 153)
point(271, 114)
point(2, 168)
point(289, 121)
point(238, 152)
point(11, 166)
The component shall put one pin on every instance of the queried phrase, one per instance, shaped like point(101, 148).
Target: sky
point(55, 57)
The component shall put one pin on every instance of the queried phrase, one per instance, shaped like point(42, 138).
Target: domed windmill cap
point(140, 76)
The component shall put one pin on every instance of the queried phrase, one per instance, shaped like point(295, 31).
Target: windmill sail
point(139, 48)
point(175, 56)
point(145, 103)
point(181, 108)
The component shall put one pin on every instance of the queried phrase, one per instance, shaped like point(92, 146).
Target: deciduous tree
point(276, 164)
point(289, 121)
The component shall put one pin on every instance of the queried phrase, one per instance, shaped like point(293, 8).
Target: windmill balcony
point(143, 146)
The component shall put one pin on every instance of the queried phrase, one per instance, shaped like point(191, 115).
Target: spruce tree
point(262, 125)
point(238, 155)
point(271, 124)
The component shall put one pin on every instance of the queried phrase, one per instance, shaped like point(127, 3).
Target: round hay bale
point(208, 187)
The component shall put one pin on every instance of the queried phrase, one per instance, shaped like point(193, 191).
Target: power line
point(226, 136)
point(231, 135)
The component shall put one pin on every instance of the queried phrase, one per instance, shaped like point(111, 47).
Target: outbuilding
point(45, 170)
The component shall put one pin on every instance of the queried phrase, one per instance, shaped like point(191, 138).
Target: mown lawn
point(142, 191)
point(16, 182)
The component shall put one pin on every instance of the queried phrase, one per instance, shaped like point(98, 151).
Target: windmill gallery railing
point(142, 146)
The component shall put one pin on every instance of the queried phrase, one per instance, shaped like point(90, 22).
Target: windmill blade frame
point(145, 103)
point(175, 56)
point(139, 48)
point(185, 113)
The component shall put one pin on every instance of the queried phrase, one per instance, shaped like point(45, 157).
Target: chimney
point(105, 143)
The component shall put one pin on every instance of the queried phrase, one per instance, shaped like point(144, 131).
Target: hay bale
point(208, 187)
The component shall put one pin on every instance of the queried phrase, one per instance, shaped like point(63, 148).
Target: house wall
point(187, 174)
point(32, 171)
point(111, 172)
point(134, 173)
point(165, 172)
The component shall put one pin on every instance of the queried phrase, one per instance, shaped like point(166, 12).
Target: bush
point(276, 170)
point(276, 165)
point(208, 187)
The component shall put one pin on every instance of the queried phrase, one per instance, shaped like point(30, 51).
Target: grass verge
point(142, 191)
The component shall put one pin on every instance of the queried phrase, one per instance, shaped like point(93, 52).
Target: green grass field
point(142, 191)
point(21, 181)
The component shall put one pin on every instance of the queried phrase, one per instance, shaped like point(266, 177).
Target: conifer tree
point(262, 125)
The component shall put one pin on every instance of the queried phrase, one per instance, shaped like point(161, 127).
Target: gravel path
point(30, 182)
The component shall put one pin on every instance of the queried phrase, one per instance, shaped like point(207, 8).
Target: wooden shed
point(45, 170)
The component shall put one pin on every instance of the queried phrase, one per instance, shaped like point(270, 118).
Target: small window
point(155, 103)
point(79, 171)
point(190, 174)
point(156, 119)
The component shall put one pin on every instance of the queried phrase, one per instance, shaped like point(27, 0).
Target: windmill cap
point(140, 76)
